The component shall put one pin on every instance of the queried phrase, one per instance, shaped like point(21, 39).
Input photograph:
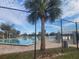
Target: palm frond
point(44, 8)
point(54, 3)
point(54, 13)
point(33, 17)
point(32, 5)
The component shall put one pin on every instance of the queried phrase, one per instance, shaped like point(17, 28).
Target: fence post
point(76, 34)
point(61, 33)
point(35, 43)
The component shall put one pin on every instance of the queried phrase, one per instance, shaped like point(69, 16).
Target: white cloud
point(68, 24)
point(76, 20)
point(70, 7)
point(11, 3)
point(15, 17)
point(53, 26)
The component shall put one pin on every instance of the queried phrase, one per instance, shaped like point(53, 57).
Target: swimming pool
point(18, 41)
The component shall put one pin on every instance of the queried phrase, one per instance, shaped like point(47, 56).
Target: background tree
point(9, 31)
point(1, 35)
point(6, 28)
point(15, 33)
point(43, 10)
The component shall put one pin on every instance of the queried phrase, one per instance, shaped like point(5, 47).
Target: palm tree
point(43, 10)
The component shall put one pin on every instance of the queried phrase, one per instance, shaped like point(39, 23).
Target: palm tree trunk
point(43, 34)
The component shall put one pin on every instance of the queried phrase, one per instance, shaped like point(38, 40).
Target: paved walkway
point(4, 49)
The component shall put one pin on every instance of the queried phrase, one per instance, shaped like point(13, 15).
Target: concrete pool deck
point(4, 49)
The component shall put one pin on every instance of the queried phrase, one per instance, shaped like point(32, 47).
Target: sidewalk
point(4, 49)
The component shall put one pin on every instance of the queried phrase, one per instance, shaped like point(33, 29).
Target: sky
point(70, 11)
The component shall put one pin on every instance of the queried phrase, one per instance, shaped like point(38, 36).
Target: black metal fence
point(59, 30)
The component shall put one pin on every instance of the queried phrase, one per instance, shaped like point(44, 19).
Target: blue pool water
point(26, 42)
point(19, 41)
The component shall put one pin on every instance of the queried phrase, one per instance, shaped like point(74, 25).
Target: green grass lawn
point(73, 53)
